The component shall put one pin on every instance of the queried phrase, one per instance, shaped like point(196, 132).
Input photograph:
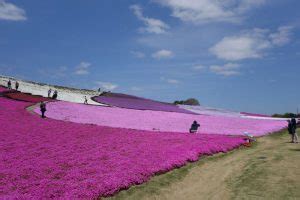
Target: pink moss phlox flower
point(3, 89)
point(52, 159)
point(132, 102)
point(159, 120)
point(254, 114)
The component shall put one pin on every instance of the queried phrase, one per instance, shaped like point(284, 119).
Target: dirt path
point(268, 170)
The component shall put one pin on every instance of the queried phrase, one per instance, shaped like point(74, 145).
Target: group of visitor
point(55, 93)
point(9, 85)
point(43, 104)
point(292, 128)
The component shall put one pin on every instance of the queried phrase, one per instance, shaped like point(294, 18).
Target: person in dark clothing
point(290, 127)
point(49, 92)
point(54, 95)
point(194, 127)
point(17, 85)
point(9, 84)
point(43, 109)
point(294, 130)
point(293, 121)
point(85, 100)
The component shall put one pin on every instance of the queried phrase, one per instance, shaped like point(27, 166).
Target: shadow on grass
point(294, 149)
point(278, 134)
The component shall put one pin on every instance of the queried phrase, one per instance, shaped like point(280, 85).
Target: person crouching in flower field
point(43, 109)
point(194, 127)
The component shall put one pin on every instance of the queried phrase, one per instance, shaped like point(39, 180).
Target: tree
point(190, 101)
point(286, 115)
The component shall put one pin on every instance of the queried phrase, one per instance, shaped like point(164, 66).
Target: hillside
point(90, 151)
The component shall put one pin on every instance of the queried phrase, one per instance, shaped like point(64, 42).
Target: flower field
point(120, 95)
point(3, 89)
point(158, 120)
point(132, 102)
point(254, 114)
point(203, 110)
point(26, 97)
point(46, 158)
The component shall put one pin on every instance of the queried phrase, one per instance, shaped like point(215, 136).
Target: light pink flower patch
point(159, 120)
point(46, 158)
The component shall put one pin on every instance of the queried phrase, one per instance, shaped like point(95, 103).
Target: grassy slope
point(268, 170)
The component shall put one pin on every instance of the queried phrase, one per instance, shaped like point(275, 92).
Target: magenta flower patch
point(46, 158)
point(3, 89)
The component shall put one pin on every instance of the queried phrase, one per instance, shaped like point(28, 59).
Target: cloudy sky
point(236, 54)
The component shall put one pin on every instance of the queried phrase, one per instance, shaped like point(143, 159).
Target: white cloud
point(168, 80)
point(203, 11)
point(250, 44)
point(228, 69)
point(172, 81)
point(82, 68)
point(138, 54)
point(272, 80)
point(247, 45)
point(199, 67)
point(161, 54)
point(283, 35)
point(9, 11)
point(106, 85)
point(151, 25)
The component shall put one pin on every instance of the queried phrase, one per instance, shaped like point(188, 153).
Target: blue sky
point(236, 54)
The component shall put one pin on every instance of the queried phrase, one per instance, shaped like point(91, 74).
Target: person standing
point(290, 129)
point(43, 109)
point(17, 85)
point(49, 93)
point(85, 100)
point(9, 84)
point(294, 134)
